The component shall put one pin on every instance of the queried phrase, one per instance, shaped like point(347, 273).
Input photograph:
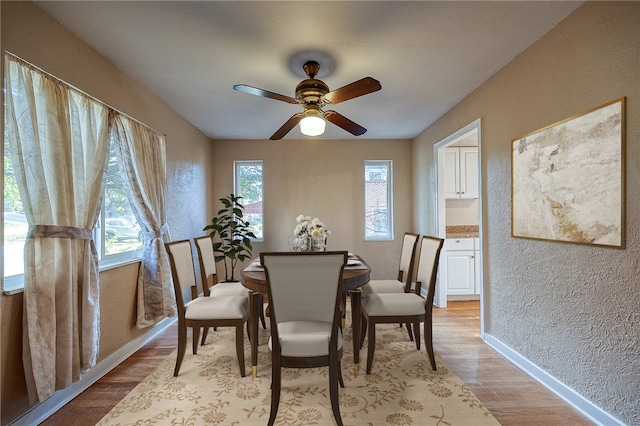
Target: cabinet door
point(476, 284)
point(451, 173)
point(469, 172)
point(460, 272)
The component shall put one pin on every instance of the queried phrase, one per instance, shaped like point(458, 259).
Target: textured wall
point(32, 35)
point(573, 310)
point(325, 179)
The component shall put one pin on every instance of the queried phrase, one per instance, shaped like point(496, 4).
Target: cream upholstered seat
point(209, 278)
point(222, 311)
point(405, 270)
point(304, 292)
point(389, 308)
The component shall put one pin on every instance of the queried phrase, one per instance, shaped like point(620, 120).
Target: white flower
point(305, 230)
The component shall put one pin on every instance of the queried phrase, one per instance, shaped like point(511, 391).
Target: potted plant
point(233, 235)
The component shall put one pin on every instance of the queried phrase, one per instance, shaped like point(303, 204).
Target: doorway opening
point(457, 203)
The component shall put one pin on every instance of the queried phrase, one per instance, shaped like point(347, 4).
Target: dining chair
point(304, 292)
point(202, 312)
point(209, 278)
point(405, 270)
point(403, 283)
point(406, 308)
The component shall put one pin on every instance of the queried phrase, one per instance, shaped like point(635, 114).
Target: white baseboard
point(568, 395)
point(42, 411)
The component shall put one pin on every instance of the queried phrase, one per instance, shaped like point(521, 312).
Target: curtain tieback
point(156, 234)
point(56, 231)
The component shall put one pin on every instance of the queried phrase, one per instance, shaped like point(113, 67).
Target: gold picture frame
point(567, 179)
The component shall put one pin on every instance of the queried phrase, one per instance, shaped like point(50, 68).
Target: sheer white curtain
point(142, 158)
point(58, 140)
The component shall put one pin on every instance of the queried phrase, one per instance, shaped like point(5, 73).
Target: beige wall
point(570, 309)
point(573, 310)
point(33, 36)
point(324, 179)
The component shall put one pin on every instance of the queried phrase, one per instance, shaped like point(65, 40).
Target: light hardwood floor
point(511, 396)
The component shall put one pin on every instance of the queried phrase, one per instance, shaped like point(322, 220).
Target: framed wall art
point(568, 179)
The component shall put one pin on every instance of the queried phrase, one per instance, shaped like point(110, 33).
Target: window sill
point(16, 286)
point(105, 266)
point(10, 290)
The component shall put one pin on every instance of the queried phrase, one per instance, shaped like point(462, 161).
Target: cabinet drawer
point(451, 244)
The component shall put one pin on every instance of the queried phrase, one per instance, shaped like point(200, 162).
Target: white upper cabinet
point(461, 172)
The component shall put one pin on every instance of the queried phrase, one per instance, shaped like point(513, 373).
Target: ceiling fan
point(312, 94)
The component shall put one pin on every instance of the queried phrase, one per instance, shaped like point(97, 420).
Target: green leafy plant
point(230, 235)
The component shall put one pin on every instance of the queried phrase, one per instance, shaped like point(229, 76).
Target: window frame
point(388, 164)
point(238, 189)
point(15, 283)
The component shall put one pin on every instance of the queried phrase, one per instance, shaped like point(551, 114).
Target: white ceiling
point(427, 55)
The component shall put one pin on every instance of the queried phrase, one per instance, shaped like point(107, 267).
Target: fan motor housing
point(311, 90)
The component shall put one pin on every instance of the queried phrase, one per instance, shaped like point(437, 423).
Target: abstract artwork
point(568, 179)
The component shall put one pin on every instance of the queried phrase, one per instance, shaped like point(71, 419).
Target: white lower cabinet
point(462, 265)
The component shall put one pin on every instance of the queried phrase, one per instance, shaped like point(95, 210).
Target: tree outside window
point(248, 185)
point(116, 234)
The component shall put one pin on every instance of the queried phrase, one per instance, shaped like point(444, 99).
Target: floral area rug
point(401, 390)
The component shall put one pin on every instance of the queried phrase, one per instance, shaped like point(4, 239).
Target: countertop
point(462, 231)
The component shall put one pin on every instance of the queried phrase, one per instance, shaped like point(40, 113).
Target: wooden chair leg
point(182, 347)
point(416, 331)
point(409, 332)
point(262, 320)
point(333, 390)
point(205, 330)
point(363, 331)
point(196, 339)
point(428, 342)
point(275, 389)
point(240, 346)
point(371, 344)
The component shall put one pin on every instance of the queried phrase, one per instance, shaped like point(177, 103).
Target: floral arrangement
point(309, 234)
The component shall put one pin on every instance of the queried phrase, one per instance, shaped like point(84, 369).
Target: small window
point(378, 220)
point(248, 185)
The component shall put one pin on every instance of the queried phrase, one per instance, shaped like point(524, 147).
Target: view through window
point(248, 184)
point(15, 222)
point(117, 236)
point(378, 200)
point(121, 232)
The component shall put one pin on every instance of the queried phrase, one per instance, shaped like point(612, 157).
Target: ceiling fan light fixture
point(312, 125)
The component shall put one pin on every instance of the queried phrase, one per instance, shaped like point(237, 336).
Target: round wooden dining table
point(353, 278)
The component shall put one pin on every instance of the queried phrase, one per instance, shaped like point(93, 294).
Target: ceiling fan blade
point(286, 127)
point(264, 93)
point(342, 121)
point(357, 88)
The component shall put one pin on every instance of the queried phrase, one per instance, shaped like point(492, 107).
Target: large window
point(117, 235)
point(378, 206)
point(15, 225)
point(247, 180)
